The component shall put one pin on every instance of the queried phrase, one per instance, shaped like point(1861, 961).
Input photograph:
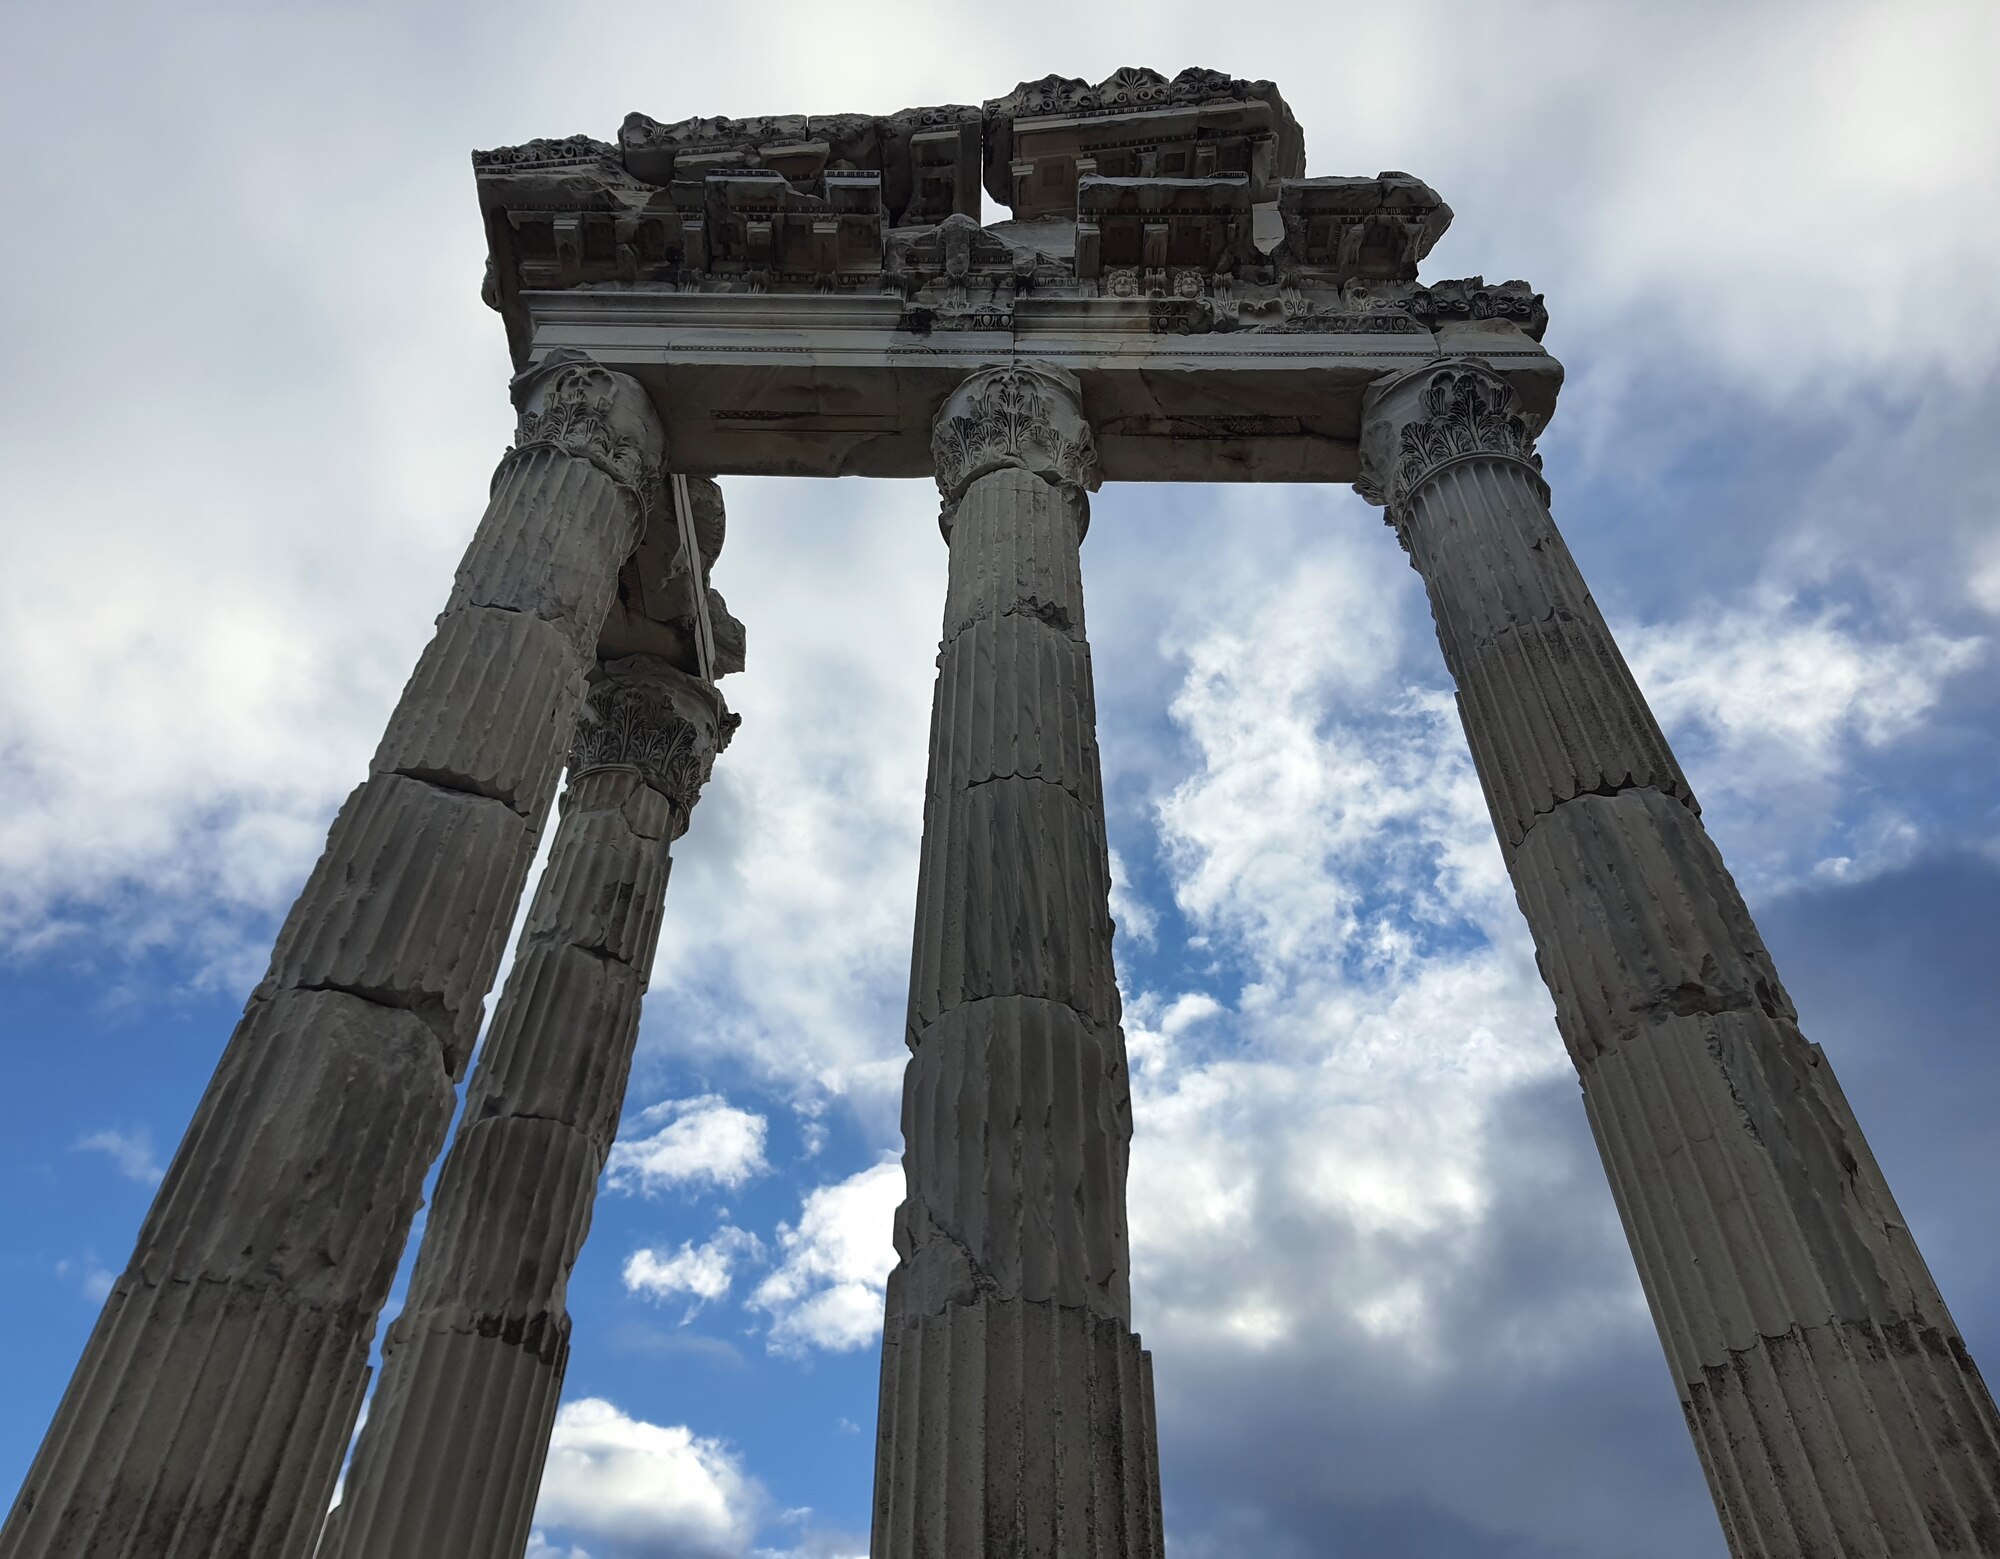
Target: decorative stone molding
point(1417, 423)
point(1044, 134)
point(1130, 89)
point(570, 402)
point(1025, 415)
point(647, 715)
point(548, 152)
point(1375, 228)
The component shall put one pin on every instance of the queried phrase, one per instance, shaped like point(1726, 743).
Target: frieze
point(956, 276)
point(1298, 306)
point(955, 250)
point(921, 321)
point(1338, 322)
point(1194, 317)
point(1515, 301)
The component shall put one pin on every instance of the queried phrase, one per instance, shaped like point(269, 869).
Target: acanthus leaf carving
point(575, 406)
point(1458, 412)
point(645, 716)
point(1020, 415)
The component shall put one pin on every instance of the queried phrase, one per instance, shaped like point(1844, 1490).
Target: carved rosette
point(1028, 416)
point(570, 402)
point(646, 714)
point(1417, 423)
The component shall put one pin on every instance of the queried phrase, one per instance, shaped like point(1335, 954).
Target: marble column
point(450, 1460)
point(1831, 1399)
point(214, 1401)
point(1016, 1405)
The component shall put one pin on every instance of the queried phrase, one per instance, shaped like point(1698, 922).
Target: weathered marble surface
point(1830, 1395)
point(800, 291)
point(214, 1401)
point(450, 1460)
point(1016, 1407)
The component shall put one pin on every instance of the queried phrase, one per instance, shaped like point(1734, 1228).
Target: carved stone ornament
point(570, 402)
point(1133, 87)
point(572, 150)
point(1419, 422)
point(645, 714)
point(1027, 415)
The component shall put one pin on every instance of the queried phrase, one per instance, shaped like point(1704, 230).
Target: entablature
point(805, 385)
point(800, 291)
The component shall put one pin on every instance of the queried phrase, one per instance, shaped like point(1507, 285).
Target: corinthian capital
point(571, 402)
point(1028, 416)
point(646, 714)
point(1415, 424)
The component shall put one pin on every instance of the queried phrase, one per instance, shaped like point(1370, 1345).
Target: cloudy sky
point(253, 405)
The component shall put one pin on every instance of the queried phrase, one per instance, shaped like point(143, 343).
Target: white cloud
point(1780, 690)
point(834, 1264)
point(1134, 917)
point(1864, 100)
point(1770, 704)
point(1322, 776)
point(93, 1280)
point(131, 1151)
point(539, 1547)
point(647, 1489)
point(813, 1540)
point(1333, 839)
point(693, 1142)
point(842, 1550)
point(702, 1272)
point(1342, 1125)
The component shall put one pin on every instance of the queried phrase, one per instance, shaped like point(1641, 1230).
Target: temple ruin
point(1171, 299)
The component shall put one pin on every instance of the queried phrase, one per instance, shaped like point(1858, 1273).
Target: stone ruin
point(1170, 299)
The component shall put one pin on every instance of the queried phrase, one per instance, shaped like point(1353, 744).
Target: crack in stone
point(455, 784)
point(1630, 785)
point(599, 950)
point(428, 1009)
point(984, 1284)
point(1038, 779)
point(285, 1291)
point(1104, 1032)
point(540, 1333)
point(1051, 614)
point(487, 1112)
point(1901, 1334)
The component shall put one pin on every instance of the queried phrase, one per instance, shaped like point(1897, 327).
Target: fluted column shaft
point(209, 1414)
point(1016, 1410)
point(1832, 1401)
point(451, 1458)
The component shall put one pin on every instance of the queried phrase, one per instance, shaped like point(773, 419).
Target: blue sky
point(253, 406)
